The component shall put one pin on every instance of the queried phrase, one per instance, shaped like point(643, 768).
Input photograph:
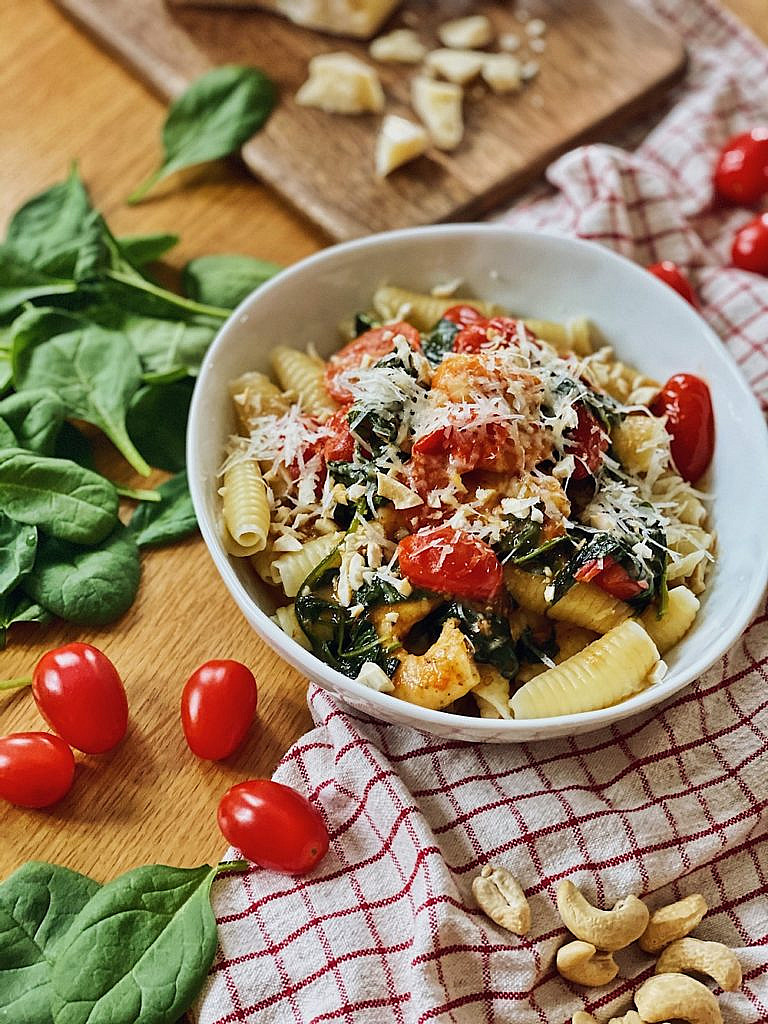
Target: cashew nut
point(677, 997)
point(581, 963)
point(672, 922)
point(712, 958)
point(501, 896)
point(605, 929)
point(630, 1017)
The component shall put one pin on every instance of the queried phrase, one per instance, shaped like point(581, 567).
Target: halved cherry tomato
point(218, 703)
point(452, 562)
point(274, 826)
point(505, 332)
point(750, 246)
point(80, 695)
point(473, 447)
point(340, 444)
point(686, 402)
point(376, 343)
point(36, 769)
point(611, 577)
point(588, 443)
point(463, 315)
point(741, 172)
point(669, 272)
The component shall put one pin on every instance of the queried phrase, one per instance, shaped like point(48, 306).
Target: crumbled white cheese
point(467, 33)
point(439, 106)
point(375, 678)
point(402, 46)
point(400, 495)
point(344, 17)
point(341, 83)
point(502, 72)
point(399, 141)
point(537, 45)
point(458, 66)
point(529, 70)
point(536, 27)
point(509, 42)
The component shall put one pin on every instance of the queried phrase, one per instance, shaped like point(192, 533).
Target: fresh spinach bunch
point(134, 951)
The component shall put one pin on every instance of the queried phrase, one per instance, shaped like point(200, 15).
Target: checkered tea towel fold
point(386, 931)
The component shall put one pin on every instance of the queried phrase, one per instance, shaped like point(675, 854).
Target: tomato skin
point(507, 330)
point(81, 696)
point(274, 826)
point(750, 246)
point(451, 561)
point(611, 577)
point(376, 343)
point(588, 443)
point(463, 315)
point(36, 769)
point(218, 703)
point(669, 272)
point(686, 402)
point(741, 172)
point(340, 444)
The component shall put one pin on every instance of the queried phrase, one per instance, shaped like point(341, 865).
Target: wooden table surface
point(149, 800)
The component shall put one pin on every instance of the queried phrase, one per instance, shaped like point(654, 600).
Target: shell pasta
point(468, 510)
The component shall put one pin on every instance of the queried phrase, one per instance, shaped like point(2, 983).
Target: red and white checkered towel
point(386, 930)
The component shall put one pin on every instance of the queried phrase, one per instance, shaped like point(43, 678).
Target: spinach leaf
point(62, 498)
point(51, 219)
point(6, 373)
point(211, 119)
point(72, 444)
point(139, 950)
point(18, 547)
point(35, 416)
point(489, 635)
point(225, 280)
point(93, 371)
point(364, 322)
point(166, 348)
point(439, 342)
point(7, 436)
point(360, 471)
point(520, 543)
point(341, 640)
point(15, 606)
point(21, 281)
point(377, 591)
point(530, 649)
point(170, 519)
point(92, 586)
point(142, 249)
point(157, 423)
point(38, 903)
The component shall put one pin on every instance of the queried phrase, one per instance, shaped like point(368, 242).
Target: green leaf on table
point(7, 436)
point(139, 951)
point(169, 520)
point(38, 903)
point(6, 372)
point(51, 219)
point(166, 348)
point(62, 498)
point(16, 606)
point(94, 371)
point(225, 280)
point(157, 423)
point(88, 585)
point(72, 444)
point(18, 547)
point(35, 416)
point(20, 281)
point(212, 118)
point(142, 249)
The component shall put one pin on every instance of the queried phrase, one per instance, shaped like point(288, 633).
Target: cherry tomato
point(505, 332)
point(375, 344)
point(750, 246)
point(81, 696)
point(274, 826)
point(36, 769)
point(686, 403)
point(452, 562)
point(340, 444)
point(669, 272)
point(487, 446)
point(463, 315)
point(611, 577)
point(218, 703)
point(741, 172)
point(588, 442)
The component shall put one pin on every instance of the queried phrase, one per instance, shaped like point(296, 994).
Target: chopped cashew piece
point(402, 46)
point(581, 963)
point(711, 958)
point(501, 897)
point(466, 33)
point(375, 678)
point(630, 1017)
point(676, 997)
point(341, 83)
point(606, 929)
point(502, 72)
point(438, 104)
point(459, 66)
point(342, 17)
point(672, 922)
point(398, 142)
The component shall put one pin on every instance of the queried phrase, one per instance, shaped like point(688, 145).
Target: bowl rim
point(315, 669)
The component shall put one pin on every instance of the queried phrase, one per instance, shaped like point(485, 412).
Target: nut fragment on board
point(630, 1017)
point(501, 897)
point(467, 33)
point(674, 921)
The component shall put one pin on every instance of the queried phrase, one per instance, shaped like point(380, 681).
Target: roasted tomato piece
point(451, 562)
point(588, 443)
point(489, 446)
point(611, 577)
point(498, 332)
point(463, 315)
point(340, 444)
point(687, 405)
point(375, 344)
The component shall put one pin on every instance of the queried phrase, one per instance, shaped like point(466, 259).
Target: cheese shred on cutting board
point(358, 18)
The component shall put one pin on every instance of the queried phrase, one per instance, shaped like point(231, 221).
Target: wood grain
point(591, 79)
point(63, 98)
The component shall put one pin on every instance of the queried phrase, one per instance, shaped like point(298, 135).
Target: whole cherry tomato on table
point(374, 345)
point(36, 769)
point(274, 826)
point(741, 173)
point(81, 696)
point(669, 272)
point(750, 246)
point(217, 707)
point(451, 561)
point(687, 405)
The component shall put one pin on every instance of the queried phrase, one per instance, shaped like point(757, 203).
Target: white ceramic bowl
point(537, 275)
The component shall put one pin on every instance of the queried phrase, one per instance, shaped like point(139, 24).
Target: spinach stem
point(141, 190)
point(232, 865)
point(15, 684)
point(141, 284)
point(138, 494)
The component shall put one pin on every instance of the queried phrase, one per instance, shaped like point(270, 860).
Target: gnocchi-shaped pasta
point(254, 395)
point(293, 567)
point(423, 311)
point(584, 605)
point(575, 336)
point(607, 671)
point(245, 509)
point(492, 693)
point(285, 618)
point(304, 374)
point(675, 623)
point(637, 440)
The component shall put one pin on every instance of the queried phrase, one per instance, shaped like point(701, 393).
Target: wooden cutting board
point(603, 63)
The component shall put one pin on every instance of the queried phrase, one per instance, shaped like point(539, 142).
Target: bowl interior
point(541, 276)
